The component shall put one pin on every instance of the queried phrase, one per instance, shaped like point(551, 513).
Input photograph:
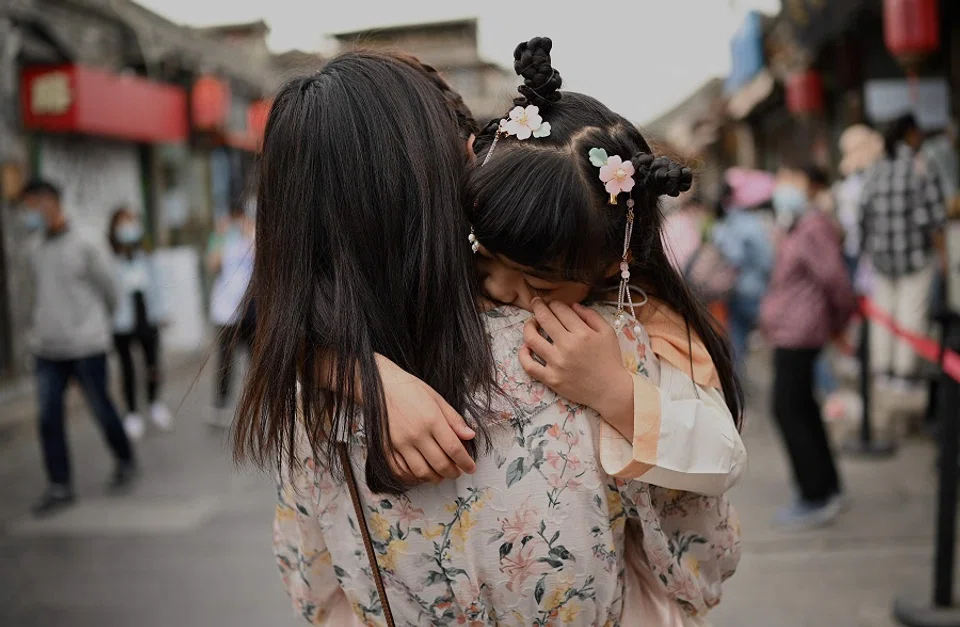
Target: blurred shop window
point(466, 81)
point(173, 194)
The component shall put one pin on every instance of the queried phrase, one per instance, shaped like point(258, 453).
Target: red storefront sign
point(215, 110)
point(77, 99)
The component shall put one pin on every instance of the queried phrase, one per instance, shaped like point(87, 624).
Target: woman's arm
point(678, 435)
point(426, 433)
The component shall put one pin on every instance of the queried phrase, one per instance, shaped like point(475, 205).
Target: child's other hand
point(582, 361)
point(426, 433)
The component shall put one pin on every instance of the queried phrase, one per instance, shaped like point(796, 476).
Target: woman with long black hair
point(365, 285)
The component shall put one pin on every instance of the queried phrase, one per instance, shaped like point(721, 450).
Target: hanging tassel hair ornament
point(617, 177)
point(625, 298)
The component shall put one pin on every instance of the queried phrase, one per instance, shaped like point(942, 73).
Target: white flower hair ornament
point(522, 123)
point(525, 122)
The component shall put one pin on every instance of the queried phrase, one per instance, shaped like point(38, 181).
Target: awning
point(77, 99)
point(750, 95)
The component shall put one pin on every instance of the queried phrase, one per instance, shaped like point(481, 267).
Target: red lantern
point(805, 93)
point(210, 103)
point(258, 114)
point(911, 29)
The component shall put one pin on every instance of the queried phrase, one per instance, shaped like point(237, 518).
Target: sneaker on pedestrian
point(803, 514)
point(123, 476)
point(842, 500)
point(54, 499)
point(161, 416)
point(134, 426)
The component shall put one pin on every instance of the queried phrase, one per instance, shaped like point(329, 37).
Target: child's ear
point(471, 154)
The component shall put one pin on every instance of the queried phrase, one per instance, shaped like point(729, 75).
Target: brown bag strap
point(365, 532)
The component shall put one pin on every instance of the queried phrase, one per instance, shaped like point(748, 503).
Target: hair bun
point(662, 176)
point(541, 81)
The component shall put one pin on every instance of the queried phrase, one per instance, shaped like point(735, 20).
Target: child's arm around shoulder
point(678, 434)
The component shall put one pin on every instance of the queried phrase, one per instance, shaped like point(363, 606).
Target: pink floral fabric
point(539, 535)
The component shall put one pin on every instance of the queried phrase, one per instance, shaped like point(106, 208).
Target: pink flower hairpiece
point(616, 174)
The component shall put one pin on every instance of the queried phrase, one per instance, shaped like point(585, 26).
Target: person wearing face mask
point(141, 311)
point(75, 296)
point(809, 301)
point(230, 257)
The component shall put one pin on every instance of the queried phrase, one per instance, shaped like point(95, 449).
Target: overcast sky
point(640, 57)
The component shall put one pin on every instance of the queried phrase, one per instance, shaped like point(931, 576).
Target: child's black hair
point(540, 202)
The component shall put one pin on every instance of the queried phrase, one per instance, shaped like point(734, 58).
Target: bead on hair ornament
point(625, 298)
point(474, 243)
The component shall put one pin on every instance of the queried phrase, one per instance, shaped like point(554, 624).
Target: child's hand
point(425, 432)
point(582, 360)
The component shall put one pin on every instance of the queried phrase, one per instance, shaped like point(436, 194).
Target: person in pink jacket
point(809, 301)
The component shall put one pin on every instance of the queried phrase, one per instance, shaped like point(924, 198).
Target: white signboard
point(50, 94)
point(180, 273)
point(928, 99)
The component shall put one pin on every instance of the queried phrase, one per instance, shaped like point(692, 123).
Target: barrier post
point(942, 612)
point(866, 445)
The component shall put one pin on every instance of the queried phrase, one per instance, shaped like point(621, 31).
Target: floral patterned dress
point(537, 536)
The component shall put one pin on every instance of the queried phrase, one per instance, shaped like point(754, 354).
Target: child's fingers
point(531, 366)
point(568, 317)
point(537, 343)
point(547, 319)
point(593, 320)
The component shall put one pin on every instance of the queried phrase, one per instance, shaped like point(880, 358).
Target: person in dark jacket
point(809, 301)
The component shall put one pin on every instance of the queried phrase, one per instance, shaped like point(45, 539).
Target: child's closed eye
point(540, 285)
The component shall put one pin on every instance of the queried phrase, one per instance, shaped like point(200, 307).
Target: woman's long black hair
point(361, 249)
point(540, 203)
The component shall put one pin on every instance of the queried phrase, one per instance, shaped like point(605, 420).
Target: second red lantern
point(804, 92)
point(911, 29)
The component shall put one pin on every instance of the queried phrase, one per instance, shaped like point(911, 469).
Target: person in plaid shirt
point(902, 220)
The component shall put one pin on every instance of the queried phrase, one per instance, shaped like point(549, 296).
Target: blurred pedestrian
point(230, 259)
point(902, 222)
point(744, 241)
point(939, 151)
point(809, 301)
point(141, 311)
point(75, 297)
point(861, 147)
point(684, 229)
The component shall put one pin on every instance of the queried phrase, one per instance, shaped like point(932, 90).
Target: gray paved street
point(191, 545)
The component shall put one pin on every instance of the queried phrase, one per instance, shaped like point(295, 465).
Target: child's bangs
point(532, 207)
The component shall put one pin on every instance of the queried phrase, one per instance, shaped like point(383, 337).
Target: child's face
point(512, 284)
